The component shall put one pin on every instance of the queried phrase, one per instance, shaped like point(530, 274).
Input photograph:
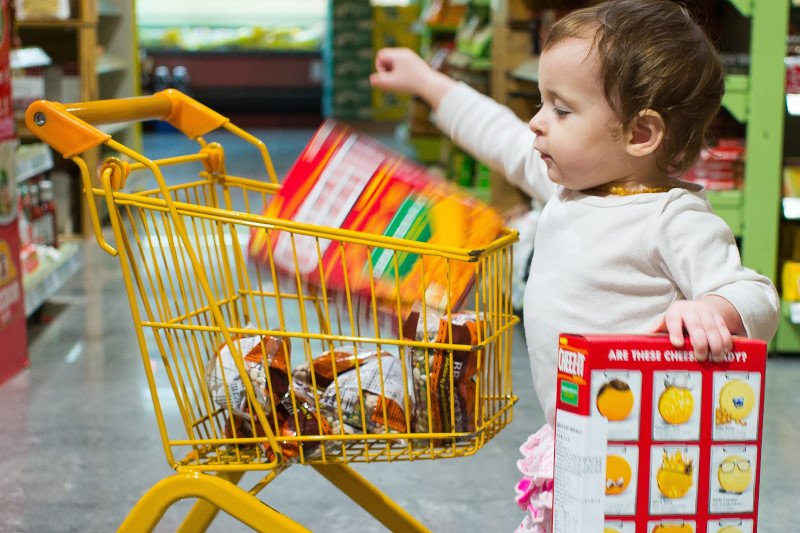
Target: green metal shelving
point(757, 99)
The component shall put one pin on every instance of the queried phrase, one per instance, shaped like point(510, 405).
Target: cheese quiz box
point(650, 440)
point(346, 180)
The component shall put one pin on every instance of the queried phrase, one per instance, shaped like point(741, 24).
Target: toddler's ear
point(646, 134)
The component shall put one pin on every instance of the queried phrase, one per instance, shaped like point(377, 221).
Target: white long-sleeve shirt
point(608, 264)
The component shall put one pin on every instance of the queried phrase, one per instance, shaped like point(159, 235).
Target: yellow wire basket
point(254, 368)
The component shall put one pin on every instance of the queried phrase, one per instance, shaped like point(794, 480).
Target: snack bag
point(370, 398)
point(266, 359)
point(324, 368)
point(300, 417)
point(451, 407)
point(241, 427)
point(290, 411)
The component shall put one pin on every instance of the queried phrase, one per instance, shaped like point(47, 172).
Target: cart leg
point(370, 498)
point(218, 492)
point(203, 511)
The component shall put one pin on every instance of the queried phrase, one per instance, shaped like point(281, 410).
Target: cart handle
point(70, 128)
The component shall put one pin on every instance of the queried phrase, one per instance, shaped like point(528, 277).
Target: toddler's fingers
point(693, 323)
point(719, 338)
point(376, 80)
point(658, 326)
point(727, 338)
point(675, 323)
point(708, 335)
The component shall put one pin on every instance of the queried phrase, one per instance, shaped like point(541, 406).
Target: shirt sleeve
point(698, 251)
point(493, 134)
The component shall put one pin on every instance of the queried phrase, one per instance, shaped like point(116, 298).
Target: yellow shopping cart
point(264, 368)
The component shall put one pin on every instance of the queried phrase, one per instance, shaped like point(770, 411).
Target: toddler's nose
point(536, 124)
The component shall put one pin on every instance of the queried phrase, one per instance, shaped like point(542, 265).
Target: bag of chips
point(266, 360)
point(370, 398)
point(443, 380)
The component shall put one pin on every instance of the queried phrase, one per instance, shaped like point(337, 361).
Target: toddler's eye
point(561, 112)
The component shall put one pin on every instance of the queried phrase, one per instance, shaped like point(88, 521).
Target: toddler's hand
point(399, 69)
point(402, 70)
point(704, 320)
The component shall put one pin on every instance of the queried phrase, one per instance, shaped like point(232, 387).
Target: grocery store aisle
point(79, 443)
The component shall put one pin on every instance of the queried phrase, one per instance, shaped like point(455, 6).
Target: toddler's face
point(577, 131)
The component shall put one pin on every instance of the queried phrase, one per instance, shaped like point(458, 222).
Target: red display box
point(344, 179)
point(650, 440)
point(13, 334)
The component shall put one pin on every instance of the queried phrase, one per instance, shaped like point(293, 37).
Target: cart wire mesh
point(248, 352)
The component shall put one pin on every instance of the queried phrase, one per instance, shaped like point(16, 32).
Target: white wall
point(263, 12)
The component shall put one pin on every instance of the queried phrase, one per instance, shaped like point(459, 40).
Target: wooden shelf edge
point(106, 65)
point(528, 70)
point(54, 23)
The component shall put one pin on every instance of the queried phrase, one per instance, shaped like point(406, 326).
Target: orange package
point(346, 180)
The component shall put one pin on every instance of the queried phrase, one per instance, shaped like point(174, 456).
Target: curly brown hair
point(653, 55)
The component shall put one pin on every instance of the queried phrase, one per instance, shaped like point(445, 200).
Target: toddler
point(628, 91)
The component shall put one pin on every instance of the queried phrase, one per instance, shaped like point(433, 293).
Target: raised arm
point(490, 132)
point(402, 70)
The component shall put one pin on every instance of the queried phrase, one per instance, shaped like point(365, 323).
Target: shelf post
point(762, 192)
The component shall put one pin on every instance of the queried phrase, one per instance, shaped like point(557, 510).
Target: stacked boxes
point(650, 440)
point(356, 30)
point(720, 168)
point(393, 27)
point(348, 56)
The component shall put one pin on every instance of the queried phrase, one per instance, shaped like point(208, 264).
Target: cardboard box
point(649, 440)
point(347, 180)
point(395, 14)
point(389, 106)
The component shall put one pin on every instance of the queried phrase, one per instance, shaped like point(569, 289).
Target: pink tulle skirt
point(535, 489)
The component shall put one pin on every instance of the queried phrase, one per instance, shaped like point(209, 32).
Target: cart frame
point(190, 292)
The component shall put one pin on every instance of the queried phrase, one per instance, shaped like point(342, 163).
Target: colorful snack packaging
point(443, 380)
point(347, 180)
point(370, 398)
point(266, 359)
point(648, 438)
point(301, 418)
point(328, 365)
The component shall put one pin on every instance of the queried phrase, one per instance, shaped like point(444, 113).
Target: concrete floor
point(79, 443)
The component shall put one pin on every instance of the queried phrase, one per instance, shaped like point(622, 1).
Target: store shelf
point(745, 7)
point(757, 101)
point(528, 71)
point(787, 339)
point(52, 23)
point(107, 25)
point(106, 65)
point(53, 272)
point(33, 159)
point(29, 57)
point(728, 206)
point(737, 95)
point(793, 104)
point(465, 61)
